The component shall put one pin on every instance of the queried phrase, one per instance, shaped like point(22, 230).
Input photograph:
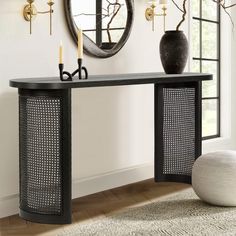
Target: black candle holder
point(70, 76)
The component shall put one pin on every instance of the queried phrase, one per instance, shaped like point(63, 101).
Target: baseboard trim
point(114, 179)
point(86, 186)
point(9, 205)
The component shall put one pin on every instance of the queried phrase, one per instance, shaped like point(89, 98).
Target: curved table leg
point(178, 130)
point(45, 155)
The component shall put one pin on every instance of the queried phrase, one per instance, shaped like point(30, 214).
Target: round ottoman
point(214, 178)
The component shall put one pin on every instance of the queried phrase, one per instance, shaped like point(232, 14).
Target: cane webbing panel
point(178, 130)
point(40, 154)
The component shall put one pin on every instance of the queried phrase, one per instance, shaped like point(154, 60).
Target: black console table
point(45, 136)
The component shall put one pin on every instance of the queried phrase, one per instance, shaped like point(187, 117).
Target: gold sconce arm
point(50, 3)
point(30, 12)
point(150, 15)
point(44, 12)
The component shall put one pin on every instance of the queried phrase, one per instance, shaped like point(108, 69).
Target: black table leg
point(45, 155)
point(177, 130)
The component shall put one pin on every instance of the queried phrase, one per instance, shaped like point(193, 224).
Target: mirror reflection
point(103, 21)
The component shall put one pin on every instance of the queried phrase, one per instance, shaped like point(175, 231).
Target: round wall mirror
point(106, 24)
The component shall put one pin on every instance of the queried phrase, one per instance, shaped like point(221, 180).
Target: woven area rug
point(178, 214)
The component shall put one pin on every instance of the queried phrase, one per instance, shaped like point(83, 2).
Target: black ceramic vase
point(174, 52)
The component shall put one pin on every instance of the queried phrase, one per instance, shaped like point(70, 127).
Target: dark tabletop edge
point(108, 80)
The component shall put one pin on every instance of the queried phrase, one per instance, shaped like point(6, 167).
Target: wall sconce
point(30, 12)
point(150, 12)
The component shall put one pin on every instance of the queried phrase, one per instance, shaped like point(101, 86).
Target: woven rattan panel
point(179, 130)
point(40, 154)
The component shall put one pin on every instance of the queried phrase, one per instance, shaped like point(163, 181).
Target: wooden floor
point(90, 208)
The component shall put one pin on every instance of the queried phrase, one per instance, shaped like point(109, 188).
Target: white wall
point(112, 127)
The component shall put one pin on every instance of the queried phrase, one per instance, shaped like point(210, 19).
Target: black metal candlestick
point(82, 68)
point(71, 75)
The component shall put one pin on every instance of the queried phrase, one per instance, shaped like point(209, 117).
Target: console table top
point(108, 80)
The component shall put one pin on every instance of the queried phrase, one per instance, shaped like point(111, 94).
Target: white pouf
point(214, 178)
